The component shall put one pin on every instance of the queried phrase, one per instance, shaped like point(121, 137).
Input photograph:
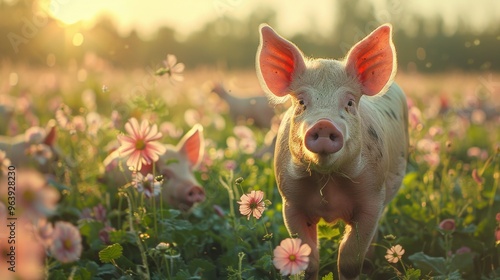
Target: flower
point(4, 163)
point(34, 197)
point(252, 204)
point(172, 69)
point(447, 225)
point(27, 251)
point(140, 146)
point(40, 152)
point(497, 217)
point(67, 242)
point(290, 257)
point(394, 254)
point(147, 185)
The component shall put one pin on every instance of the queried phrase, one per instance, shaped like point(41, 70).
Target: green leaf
point(111, 253)
point(329, 276)
point(265, 262)
point(429, 264)
point(412, 274)
point(327, 231)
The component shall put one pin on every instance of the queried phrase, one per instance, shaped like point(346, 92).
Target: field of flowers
point(73, 224)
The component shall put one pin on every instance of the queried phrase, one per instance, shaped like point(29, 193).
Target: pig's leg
point(357, 239)
point(298, 223)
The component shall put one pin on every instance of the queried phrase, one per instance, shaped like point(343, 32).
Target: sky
point(292, 16)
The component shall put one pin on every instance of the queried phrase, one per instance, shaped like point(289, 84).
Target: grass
point(453, 173)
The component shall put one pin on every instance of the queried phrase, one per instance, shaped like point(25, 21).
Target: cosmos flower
point(172, 69)
point(394, 254)
point(290, 257)
point(140, 145)
point(147, 185)
point(67, 242)
point(252, 204)
point(28, 251)
point(34, 197)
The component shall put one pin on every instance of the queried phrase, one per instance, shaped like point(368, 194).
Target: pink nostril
point(323, 138)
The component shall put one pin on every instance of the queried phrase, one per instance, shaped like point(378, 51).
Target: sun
point(71, 12)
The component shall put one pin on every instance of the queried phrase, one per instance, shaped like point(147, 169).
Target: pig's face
point(324, 116)
point(181, 189)
point(325, 127)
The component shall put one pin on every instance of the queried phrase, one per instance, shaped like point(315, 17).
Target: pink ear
point(278, 61)
point(192, 145)
point(50, 139)
point(373, 60)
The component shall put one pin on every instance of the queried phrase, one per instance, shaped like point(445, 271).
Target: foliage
point(142, 238)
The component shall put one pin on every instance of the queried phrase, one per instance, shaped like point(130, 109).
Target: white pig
point(254, 108)
point(180, 189)
point(34, 148)
point(342, 146)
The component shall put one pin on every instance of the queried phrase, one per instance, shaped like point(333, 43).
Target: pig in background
point(35, 148)
point(254, 108)
point(341, 149)
point(180, 189)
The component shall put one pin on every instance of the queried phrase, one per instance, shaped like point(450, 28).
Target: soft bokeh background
point(430, 36)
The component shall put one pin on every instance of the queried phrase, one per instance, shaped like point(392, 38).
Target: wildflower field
point(81, 220)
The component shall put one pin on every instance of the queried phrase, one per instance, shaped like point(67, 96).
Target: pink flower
point(290, 257)
point(34, 197)
point(140, 146)
point(394, 254)
point(67, 243)
point(447, 225)
point(28, 251)
point(173, 69)
point(40, 152)
point(497, 217)
point(252, 204)
point(147, 185)
point(463, 250)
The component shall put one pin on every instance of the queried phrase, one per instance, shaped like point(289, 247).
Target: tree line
point(31, 37)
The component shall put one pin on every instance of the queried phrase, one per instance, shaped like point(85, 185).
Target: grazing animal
point(255, 108)
point(342, 146)
point(180, 190)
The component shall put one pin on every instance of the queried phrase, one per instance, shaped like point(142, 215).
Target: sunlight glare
point(71, 12)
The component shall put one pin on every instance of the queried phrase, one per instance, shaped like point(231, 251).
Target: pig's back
point(388, 116)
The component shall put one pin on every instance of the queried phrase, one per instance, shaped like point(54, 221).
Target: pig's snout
point(195, 194)
point(323, 138)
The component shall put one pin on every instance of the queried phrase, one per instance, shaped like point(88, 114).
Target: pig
point(254, 108)
point(34, 148)
point(342, 146)
point(180, 189)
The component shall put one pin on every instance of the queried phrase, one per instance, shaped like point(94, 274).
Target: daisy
point(290, 257)
point(394, 253)
point(67, 242)
point(140, 145)
point(147, 185)
point(252, 204)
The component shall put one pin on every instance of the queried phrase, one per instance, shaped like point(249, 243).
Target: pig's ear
point(373, 61)
point(278, 61)
point(192, 145)
point(50, 138)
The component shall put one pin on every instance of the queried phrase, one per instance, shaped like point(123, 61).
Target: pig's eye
point(350, 103)
point(303, 104)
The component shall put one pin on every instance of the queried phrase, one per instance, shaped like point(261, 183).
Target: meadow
point(446, 216)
